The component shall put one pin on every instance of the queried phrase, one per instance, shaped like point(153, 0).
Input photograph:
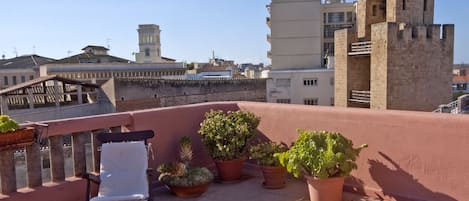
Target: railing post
point(56, 155)
point(7, 171)
point(95, 144)
point(33, 165)
point(79, 153)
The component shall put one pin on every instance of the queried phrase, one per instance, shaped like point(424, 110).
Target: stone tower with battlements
point(397, 59)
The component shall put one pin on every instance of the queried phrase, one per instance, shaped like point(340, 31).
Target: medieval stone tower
point(149, 44)
point(398, 59)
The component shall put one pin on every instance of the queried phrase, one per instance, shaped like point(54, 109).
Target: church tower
point(149, 44)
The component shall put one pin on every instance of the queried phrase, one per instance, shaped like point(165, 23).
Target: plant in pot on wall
point(274, 173)
point(226, 137)
point(325, 159)
point(11, 137)
point(183, 180)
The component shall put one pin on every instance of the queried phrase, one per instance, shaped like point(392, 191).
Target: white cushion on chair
point(123, 172)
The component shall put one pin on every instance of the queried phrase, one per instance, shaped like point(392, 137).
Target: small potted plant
point(183, 180)
point(226, 136)
point(12, 137)
point(274, 173)
point(324, 159)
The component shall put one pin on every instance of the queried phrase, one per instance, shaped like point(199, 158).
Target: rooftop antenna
point(34, 49)
point(108, 43)
point(213, 54)
point(15, 51)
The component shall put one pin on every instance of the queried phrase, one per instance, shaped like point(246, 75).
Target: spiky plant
point(179, 173)
point(185, 152)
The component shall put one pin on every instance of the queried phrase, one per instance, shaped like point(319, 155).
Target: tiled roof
point(43, 79)
point(464, 78)
point(26, 61)
point(92, 58)
point(95, 47)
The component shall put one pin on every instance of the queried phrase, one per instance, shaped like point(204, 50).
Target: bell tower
point(149, 44)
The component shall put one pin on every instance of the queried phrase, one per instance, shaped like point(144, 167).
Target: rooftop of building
point(411, 155)
point(25, 61)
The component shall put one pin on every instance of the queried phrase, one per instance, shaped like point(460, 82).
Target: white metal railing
point(360, 48)
point(452, 108)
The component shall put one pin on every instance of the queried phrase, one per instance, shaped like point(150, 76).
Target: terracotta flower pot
point(230, 170)
point(189, 192)
point(17, 139)
point(325, 189)
point(274, 176)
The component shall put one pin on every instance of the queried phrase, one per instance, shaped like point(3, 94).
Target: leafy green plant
point(320, 154)
point(7, 124)
point(180, 173)
point(264, 153)
point(226, 135)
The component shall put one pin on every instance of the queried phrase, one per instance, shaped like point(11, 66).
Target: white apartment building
point(298, 48)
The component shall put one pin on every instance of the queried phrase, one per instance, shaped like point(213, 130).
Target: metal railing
point(357, 96)
point(360, 48)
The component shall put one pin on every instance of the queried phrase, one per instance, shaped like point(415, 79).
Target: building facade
point(20, 69)
point(388, 62)
point(301, 38)
point(305, 87)
point(336, 15)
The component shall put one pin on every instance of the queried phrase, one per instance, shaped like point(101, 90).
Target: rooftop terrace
point(411, 156)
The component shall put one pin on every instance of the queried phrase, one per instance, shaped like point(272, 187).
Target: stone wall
point(413, 13)
point(418, 66)
point(135, 94)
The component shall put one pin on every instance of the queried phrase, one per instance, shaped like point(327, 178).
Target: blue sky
point(191, 29)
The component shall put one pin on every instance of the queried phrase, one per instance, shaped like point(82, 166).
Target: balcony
point(269, 54)
point(411, 155)
point(269, 22)
point(360, 49)
point(269, 38)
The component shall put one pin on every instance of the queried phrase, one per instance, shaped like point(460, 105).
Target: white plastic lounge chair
point(123, 167)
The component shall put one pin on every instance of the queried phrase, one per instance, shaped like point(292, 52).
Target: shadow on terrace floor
point(251, 190)
point(399, 180)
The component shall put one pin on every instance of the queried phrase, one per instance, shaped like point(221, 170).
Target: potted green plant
point(274, 173)
point(226, 136)
point(183, 180)
point(12, 137)
point(324, 159)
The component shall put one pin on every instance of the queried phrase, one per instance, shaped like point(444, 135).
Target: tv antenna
point(108, 43)
point(15, 51)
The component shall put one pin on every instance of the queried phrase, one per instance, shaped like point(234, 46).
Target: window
point(325, 18)
point(147, 52)
point(5, 80)
point(31, 77)
point(329, 48)
point(310, 82)
point(23, 78)
point(330, 29)
point(336, 17)
point(282, 83)
point(375, 10)
point(283, 101)
point(403, 5)
point(311, 101)
point(349, 17)
point(424, 5)
point(14, 80)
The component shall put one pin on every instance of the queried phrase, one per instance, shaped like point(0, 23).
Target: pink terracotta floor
point(251, 189)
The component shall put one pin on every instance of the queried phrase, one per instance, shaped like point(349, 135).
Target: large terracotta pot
point(325, 189)
point(274, 176)
point(230, 170)
point(189, 192)
point(17, 139)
